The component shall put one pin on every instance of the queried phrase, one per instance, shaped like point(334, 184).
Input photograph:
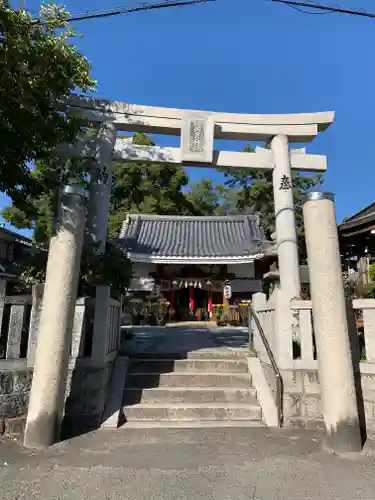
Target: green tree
point(254, 193)
point(39, 69)
point(369, 290)
point(204, 197)
point(228, 198)
point(147, 188)
point(39, 212)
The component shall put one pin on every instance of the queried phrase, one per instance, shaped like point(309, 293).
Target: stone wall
point(86, 394)
point(368, 394)
point(15, 384)
point(302, 401)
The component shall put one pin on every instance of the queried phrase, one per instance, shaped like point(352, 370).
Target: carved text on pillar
point(285, 183)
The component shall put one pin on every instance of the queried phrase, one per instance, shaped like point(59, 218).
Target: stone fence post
point(3, 285)
point(102, 298)
point(36, 309)
point(259, 303)
point(79, 327)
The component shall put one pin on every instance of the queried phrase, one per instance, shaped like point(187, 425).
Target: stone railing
point(303, 333)
point(107, 327)
point(95, 343)
point(113, 331)
point(266, 314)
point(302, 398)
point(365, 321)
point(361, 317)
point(296, 356)
point(96, 328)
point(15, 312)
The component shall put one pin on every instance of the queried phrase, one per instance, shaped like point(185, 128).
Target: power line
point(324, 8)
point(96, 14)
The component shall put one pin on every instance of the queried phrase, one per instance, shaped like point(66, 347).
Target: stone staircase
point(200, 391)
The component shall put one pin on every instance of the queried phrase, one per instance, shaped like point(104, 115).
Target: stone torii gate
point(198, 130)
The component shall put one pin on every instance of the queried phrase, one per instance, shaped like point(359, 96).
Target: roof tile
point(178, 236)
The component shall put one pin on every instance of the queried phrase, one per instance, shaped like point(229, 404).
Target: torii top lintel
point(299, 127)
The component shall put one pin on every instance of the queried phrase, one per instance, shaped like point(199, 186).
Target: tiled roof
point(9, 268)
point(364, 216)
point(7, 234)
point(178, 237)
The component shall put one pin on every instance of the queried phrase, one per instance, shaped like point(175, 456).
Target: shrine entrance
point(198, 131)
point(191, 303)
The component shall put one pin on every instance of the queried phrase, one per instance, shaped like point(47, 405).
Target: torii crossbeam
point(198, 130)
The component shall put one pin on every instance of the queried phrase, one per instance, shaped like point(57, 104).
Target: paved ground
point(186, 339)
point(236, 464)
point(209, 464)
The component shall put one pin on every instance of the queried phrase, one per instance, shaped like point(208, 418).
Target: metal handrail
point(279, 380)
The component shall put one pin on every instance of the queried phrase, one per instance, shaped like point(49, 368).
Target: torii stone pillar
point(287, 243)
point(56, 323)
point(100, 186)
point(336, 373)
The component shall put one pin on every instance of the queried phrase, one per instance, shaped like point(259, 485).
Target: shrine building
point(191, 259)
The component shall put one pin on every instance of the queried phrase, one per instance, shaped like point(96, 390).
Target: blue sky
point(247, 56)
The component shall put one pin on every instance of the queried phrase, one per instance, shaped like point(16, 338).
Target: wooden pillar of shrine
point(225, 304)
point(191, 299)
point(209, 304)
point(172, 302)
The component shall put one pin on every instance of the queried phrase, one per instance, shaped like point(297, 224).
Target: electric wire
point(116, 11)
point(326, 8)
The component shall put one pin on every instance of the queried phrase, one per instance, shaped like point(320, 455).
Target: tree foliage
point(204, 196)
point(252, 192)
point(39, 69)
point(148, 188)
point(39, 214)
point(37, 210)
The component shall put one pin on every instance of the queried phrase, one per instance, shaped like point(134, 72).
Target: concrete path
point(184, 339)
point(231, 464)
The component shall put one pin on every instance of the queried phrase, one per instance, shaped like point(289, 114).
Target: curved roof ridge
point(239, 217)
point(167, 238)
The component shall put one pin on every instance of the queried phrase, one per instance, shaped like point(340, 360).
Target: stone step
point(216, 353)
point(240, 338)
point(195, 395)
point(191, 424)
point(188, 365)
point(187, 379)
point(207, 411)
